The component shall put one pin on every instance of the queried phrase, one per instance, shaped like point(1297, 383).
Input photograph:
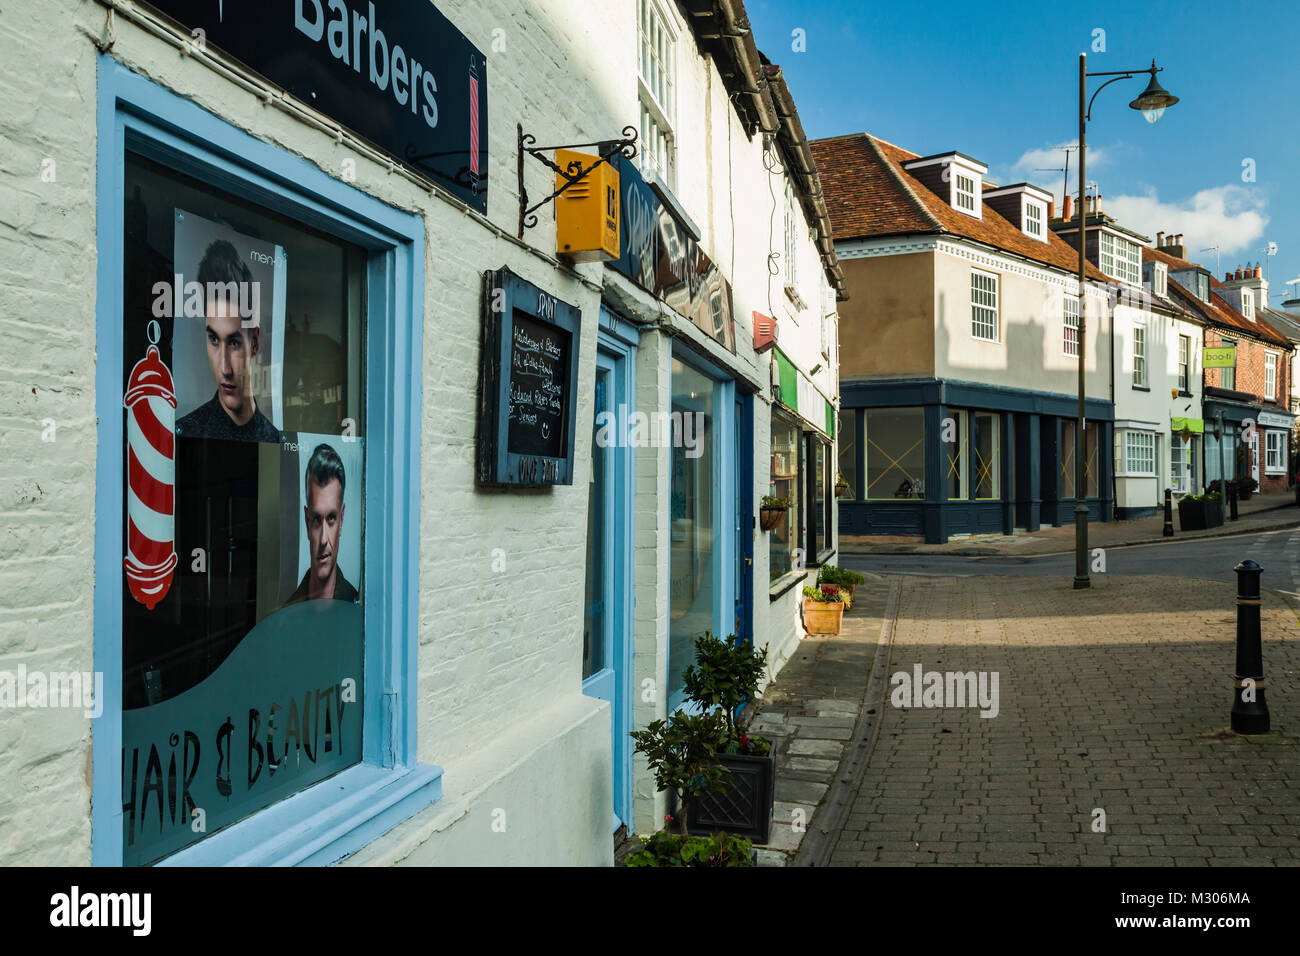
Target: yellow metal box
point(586, 214)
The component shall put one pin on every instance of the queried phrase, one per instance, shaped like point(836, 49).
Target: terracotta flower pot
point(841, 491)
point(769, 518)
point(823, 617)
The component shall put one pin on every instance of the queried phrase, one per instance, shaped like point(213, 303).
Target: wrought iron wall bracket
point(572, 174)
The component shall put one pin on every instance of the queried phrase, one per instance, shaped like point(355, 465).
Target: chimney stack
point(1238, 273)
point(1067, 215)
point(1160, 238)
point(1051, 210)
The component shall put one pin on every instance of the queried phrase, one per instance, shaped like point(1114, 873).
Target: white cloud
point(1232, 216)
point(1032, 164)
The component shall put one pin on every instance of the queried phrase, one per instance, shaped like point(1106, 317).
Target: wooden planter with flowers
point(823, 610)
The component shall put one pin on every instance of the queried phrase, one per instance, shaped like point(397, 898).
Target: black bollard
point(1169, 514)
point(1232, 498)
point(1249, 711)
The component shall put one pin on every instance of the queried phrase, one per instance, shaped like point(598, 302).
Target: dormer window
point(1035, 219)
point(1203, 287)
point(1160, 279)
point(1121, 258)
point(955, 177)
point(964, 192)
point(1248, 303)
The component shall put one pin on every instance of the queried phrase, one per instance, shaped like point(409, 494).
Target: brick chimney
point(1250, 277)
point(1067, 217)
point(1171, 244)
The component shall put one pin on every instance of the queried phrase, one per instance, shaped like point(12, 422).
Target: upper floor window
point(1248, 303)
point(1139, 354)
point(1203, 287)
point(1270, 375)
point(1071, 325)
point(1184, 362)
point(1160, 279)
point(1035, 219)
point(964, 192)
point(656, 74)
point(984, 305)
point(1228, 376)
point(1120, 258)
point(791, 235)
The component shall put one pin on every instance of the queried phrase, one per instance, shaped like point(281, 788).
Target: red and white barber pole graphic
point(151, 476)
point(473, 123)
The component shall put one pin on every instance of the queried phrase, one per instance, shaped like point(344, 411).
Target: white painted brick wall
point(493, 648)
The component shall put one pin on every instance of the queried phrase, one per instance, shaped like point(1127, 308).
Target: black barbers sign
point(527, 383)
point(397, 73)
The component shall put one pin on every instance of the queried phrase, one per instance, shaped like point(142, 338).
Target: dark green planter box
point(745, 808)
point(1199, 515)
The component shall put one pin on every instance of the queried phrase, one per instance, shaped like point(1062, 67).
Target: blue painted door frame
point(615, 389)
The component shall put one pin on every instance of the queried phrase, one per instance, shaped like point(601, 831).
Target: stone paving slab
point(810, 711)
point(1111, 699)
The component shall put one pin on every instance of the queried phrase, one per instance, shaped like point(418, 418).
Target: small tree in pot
point(724, 677)
point(681, 752)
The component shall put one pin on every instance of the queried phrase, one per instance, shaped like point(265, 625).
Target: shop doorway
point(607, 610)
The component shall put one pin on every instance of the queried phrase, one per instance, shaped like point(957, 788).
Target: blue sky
point(999, 81)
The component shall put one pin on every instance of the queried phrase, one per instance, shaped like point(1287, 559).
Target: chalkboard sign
point(528, 380)
point(539, 367)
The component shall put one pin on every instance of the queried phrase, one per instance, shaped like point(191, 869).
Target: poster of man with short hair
point(228, 320)
point(328, 526)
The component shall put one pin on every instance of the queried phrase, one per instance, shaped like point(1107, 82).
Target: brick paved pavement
point(1107, 700)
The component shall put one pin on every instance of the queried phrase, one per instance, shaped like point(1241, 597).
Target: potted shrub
point(1246, 486)
point(841, 486)
point(823, 611)
point(681, 753)
point(1198, 512)
point(843, 578)
point(724, 677)
point(772, 511)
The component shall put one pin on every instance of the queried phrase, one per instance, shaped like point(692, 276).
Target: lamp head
point(1155, 99)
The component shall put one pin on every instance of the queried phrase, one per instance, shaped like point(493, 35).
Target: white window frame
point(1270, 374)
point(1248, 303)
point(959, 174)
point(791, 238)
point(1203, 287)
point(1139, 461)
point(1185, 363)
point(1228, 376)
point(1034, 206)
point(979, 307)
point(1120, 258)
point(1275, 451)
point(657, 36)
point(1182, 452)
point(1071, 309)
point(1160, 279)
point(1140, 376)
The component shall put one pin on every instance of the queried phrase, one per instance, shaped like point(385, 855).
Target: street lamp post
point(1152, 104)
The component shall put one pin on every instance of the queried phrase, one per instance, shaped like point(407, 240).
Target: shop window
point(895, 453)
point(984, 447)
point(1067, 458)
point(783, 540)
point(1275, 452)
point(245, 427)
point(822, 494)
point(846, 435)
point(1182, 461)
point(956, 438)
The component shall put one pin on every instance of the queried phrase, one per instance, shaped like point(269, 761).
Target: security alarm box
point(587, 212)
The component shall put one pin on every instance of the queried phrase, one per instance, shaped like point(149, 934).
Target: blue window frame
point(702, 560)
point(339, 815)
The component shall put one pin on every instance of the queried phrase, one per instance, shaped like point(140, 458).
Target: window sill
point(1141, 388)
point(784, 583)
point(323, 824)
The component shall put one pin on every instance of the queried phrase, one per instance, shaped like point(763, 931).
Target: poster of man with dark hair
point(324, 507)
point(229, 302)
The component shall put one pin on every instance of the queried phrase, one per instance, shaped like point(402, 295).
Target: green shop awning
point(1195, 425)
point(789, 396)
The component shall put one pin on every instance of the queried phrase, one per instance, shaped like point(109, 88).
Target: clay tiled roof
point(1217, 310)
point(869, 194)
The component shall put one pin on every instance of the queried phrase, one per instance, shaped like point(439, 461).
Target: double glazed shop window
point(242, 610)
